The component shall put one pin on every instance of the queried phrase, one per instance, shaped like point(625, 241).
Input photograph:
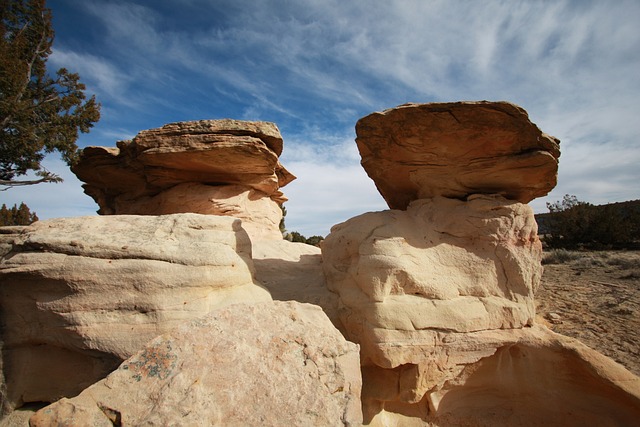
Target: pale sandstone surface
point(214, 167)
point(528, 377)
point(80, 295)
point(441, 265)
point(274, 364)
point(292, 271)
point(440, 298)
point(417, 151)
point(260, 215)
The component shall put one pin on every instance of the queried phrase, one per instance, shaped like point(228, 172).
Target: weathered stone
point(293, 272)
point(514, 377)
point(279, 363)
point(187, 157)
point(80, 295)
point(441, 265)
point(260, 215)
point(418, 151)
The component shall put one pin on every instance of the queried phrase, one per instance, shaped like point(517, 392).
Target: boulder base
point(80, 295)
point(279, 363)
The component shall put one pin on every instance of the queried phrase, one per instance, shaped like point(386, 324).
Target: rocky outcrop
point(439, 291)
point(456, 149)
point(80, 295)
point(245, 365)
point(215, 167)
point(442, 265)
point(514, 377)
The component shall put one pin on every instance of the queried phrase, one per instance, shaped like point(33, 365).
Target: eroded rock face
point(456, 149)
point(513, 377)
point(80, 295)
point(440, 299)
point(218, 167)
point(442, 265)
point(280, 363)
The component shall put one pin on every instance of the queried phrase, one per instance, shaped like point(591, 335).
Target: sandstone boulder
point(455, 149)
point(218, 167)
point(517, 377)
point(260, 215)
point(80, 295)
point(441, 265)
point(273, 364)
point(440, 298)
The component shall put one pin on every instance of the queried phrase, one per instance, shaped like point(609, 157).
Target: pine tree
point(39, 113)
point(17, 215)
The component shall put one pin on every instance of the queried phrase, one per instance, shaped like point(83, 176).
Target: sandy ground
point(595, 297)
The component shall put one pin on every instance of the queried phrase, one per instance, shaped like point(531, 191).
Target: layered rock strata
point(216, 167)
point(80, 295)
point(456, 149)
point(442, 265)
point(279, 363)
point(439, 290)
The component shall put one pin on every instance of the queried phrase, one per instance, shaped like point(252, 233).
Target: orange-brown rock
point(455, 149)
point(132, 178)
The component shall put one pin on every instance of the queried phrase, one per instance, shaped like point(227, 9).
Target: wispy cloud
point(101, 76)
point(316, 66)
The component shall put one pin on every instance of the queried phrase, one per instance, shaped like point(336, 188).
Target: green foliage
point(297, 237)
point(17, 215)
point(572, 224)
point(40, 113)
point(294, 236)
point(314, 240)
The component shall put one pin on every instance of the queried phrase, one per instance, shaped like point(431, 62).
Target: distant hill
point(612, 225)
point(626, 208)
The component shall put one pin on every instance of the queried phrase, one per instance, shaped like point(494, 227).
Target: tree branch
point(9, 184)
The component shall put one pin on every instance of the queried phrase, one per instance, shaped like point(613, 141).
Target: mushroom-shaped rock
point(200, 167)
point(456, 149)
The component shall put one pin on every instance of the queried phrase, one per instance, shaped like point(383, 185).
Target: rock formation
point(439, 290)
point(456, 149)
point(80, 295)
point(247, 365)
point(441, 265)
point(217, 167)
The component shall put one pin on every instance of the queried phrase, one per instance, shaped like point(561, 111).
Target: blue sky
point(314, 67)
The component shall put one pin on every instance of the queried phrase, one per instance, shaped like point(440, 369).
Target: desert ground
point(594, 297)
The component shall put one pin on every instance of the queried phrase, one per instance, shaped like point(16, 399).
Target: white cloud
point(315, 67)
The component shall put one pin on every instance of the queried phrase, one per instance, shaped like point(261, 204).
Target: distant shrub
point(623, 262)
point(630, 275)
point(588, 262)
point(294, 236)
point(560, 256)
point(573, 224)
